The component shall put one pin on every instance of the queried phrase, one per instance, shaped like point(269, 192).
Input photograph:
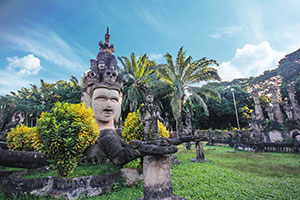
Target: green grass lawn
point(240, 175)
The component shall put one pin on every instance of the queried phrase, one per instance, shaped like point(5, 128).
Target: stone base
point(157, 179)
point(200, 160)
point(56, 187)
point(173, 197)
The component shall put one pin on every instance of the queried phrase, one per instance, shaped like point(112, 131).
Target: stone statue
point(149, 114)
point(258, 111)
point(276, 108)
point(257, 127)
point(17, 118)
point(102, 92)
point(167, 123)
point(288, 109)
point(294, 103)
point(211, 137)
point(270, 112)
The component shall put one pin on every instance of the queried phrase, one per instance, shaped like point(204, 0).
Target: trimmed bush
point(22, 138)
point(134, 130)
point(65, 133)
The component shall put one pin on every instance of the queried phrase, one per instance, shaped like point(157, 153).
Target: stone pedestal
point(157, 178)
point(200, 157)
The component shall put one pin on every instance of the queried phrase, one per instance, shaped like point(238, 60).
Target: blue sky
point(52, 40)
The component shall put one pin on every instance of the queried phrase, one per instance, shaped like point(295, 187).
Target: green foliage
point(179, 77)
point(35, 100)
point(22, 138)
point(65, 133)
point(137, 74)
point(222, 113)
point(134, 130)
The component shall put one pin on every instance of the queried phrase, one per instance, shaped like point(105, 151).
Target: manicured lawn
point(240, 175)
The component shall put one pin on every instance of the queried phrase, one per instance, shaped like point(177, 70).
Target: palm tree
point(182, 75)
point(137, 74)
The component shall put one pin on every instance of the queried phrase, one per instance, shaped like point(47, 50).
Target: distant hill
point(287, 71)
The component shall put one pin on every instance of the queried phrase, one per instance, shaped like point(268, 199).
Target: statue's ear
point(119, 109)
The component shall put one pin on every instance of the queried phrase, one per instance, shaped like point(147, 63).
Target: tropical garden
point(179, 88)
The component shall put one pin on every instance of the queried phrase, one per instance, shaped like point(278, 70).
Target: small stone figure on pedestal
point(211, 137)
point(149, 114)
point(157, 180)
point(189, 128)
point(200, 157)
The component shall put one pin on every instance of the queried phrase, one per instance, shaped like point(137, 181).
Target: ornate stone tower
point(294, 103)
point(276, 108)
point(258, 111)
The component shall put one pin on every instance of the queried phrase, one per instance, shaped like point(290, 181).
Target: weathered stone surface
point(174, 160)
point(294, 103)
point(22, 159)
point(59, 187)
point(275, 136)
point(157, 178)
point(276, 108)
point(257, 107)
point(131, 176)
point(200, 157)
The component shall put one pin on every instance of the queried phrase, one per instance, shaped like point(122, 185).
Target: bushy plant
point(65, 133)
point(22, 138)
point(134, 130)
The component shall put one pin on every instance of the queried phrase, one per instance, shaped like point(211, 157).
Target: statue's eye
point(100, 99)
point(114, 74)
point(115, 100)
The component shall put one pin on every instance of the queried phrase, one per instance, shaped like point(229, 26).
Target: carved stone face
point(101, 65)
point(106, 104)
point(149, 98)
point(110, 76)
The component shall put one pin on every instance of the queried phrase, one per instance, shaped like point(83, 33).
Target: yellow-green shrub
point(134, 130)
point(22, 138)
point(65, 133)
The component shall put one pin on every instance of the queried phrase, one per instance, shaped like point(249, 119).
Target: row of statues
point(275, 115)
point(291, 106)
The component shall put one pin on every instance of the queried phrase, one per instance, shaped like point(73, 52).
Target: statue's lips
point(107, 112)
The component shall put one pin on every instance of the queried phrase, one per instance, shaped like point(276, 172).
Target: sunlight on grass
point(240, 175)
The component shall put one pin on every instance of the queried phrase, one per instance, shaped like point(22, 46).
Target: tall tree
point(137, 74)
point(181, 76)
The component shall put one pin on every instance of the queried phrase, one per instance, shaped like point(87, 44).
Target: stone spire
point(106, 47)
point(270, 112)
point(276, 108)
point(258, 110)
point(294, 103)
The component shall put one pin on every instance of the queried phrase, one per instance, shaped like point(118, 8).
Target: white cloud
point(28, 65)
point(225, 32)
point(11, 82)
point(155, 57)
point(250, 60)
point(48, 45)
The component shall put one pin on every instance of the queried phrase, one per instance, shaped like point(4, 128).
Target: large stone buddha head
point(102, 89)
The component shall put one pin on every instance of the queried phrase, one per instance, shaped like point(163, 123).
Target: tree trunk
point(22, 159)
